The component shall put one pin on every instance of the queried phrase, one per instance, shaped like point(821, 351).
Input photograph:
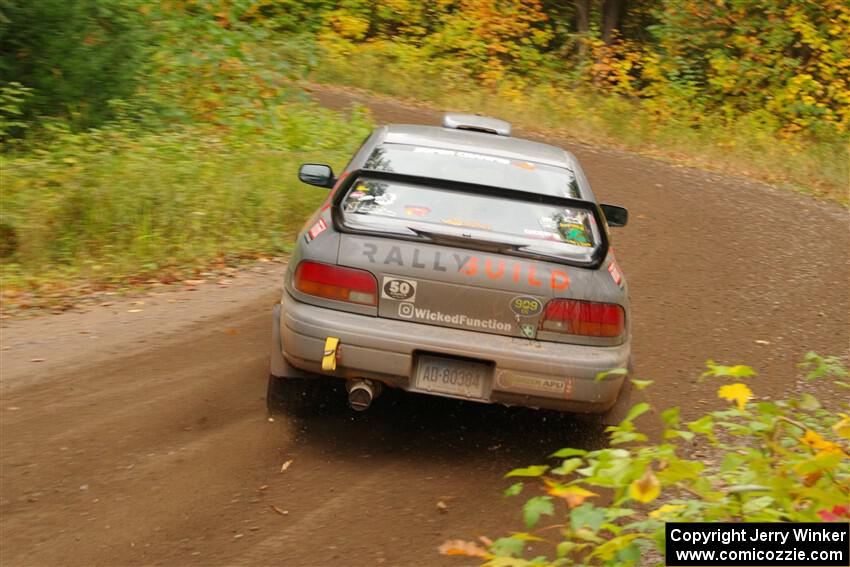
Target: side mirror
point(616, 216)
point(317, 174)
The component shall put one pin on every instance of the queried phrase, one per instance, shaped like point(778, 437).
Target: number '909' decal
point(526, 306)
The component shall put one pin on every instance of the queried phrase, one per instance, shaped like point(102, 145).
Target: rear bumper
point(525, 372)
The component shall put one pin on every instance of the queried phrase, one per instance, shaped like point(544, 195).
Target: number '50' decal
point(398, 289)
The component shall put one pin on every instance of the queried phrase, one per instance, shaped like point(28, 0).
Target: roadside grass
point(741, 147)
point(112, 206)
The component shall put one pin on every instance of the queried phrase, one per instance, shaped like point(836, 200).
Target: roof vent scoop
point(477, 123)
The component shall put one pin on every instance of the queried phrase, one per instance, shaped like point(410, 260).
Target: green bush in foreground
point(785, 460)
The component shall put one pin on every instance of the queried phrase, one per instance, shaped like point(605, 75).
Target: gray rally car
point(455, 261)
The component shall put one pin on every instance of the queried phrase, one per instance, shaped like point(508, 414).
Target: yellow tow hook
point(330, 354)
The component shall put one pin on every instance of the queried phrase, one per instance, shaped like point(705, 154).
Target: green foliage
point(535, 507)
point(746, 87)
point(74, 56)
point(785, 460)
point(213, 68)
point(745, 147)
point(198, 164)
point(753, 88)
point(780, 67)
point(534, 470)
point(784, 62)
point(286, 16)
point(109, 205)
point(13, 98)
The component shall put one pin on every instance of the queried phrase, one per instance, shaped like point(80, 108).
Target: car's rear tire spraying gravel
point(293, 396)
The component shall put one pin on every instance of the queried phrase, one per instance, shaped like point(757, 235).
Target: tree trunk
point(582, 26)
point(612, 17)
point(582, 15)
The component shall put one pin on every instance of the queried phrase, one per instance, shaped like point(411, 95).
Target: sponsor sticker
point(317, 228)
point(461, 154)
point(469, 265)
point(542, 234)
point(385, 199)
point(358, 201)
point(616, 275)
point(574, 233)
point(535, 384)
point(405, 310)
point(526, 306)
point(415, 211)
point(399, 289)
point(408, 310)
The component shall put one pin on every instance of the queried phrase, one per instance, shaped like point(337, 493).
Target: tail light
point(583, 318)
point(335, 282)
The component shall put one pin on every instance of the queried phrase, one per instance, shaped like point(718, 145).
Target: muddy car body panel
point(458, 263)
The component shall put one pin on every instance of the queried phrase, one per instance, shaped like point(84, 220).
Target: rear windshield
point(473, 167)
point(394, 207)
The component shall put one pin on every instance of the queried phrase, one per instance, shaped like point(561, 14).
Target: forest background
point(141, 139)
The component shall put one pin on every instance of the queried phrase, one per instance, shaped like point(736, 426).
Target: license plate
point(450, 376)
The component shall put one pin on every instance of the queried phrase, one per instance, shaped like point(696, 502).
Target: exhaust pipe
point(361, 393)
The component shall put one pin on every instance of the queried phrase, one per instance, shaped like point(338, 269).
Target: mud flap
point(278, 366)
point(621, 407)
point(626, 399)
